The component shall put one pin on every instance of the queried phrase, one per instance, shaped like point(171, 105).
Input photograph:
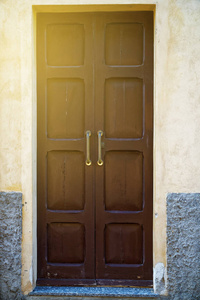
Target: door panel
point(61, 42)
point(65, 172)
point(95, 72)
point(124, 184)
point(124, 108)
point(65, 106)
point(123, 181)
point(123, 244)
point(60, 236)
point(123, 43)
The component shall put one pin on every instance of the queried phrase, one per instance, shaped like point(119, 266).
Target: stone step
point(35, 297)
point(91, 293)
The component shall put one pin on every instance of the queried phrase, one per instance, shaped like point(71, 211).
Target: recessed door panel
point(65, 180)
point(67, 240)
point(95, 148)
point(124, 44)
point(65, 108)
point(124, 107)
point(65, 44)
point(123, 244)
point(123, 181)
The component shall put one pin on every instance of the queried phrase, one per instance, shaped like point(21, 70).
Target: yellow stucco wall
point(176, 107)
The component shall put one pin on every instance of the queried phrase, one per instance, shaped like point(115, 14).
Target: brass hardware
point(100, 161)
point(88, 161)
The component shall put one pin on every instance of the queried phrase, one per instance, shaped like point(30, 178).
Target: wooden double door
point(95, 119)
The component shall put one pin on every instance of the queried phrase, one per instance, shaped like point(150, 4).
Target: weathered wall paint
point(176, 107)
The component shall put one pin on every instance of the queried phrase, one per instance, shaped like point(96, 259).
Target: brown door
point(95, 120)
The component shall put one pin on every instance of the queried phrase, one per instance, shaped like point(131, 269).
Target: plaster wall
point(176, 107)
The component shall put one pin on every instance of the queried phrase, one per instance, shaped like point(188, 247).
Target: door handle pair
point(88, 161)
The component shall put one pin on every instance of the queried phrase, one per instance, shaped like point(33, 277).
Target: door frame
point(73, 8)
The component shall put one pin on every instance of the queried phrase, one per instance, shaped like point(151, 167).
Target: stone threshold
point(117, 292)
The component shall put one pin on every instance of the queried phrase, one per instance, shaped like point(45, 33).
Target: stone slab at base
point(84, 298)
point(93, 292)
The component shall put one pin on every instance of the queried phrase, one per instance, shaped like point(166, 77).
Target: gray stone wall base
point(183, 246)
point(10, 245)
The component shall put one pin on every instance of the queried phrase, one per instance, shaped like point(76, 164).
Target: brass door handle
point(100, 161)
point(88, 161)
